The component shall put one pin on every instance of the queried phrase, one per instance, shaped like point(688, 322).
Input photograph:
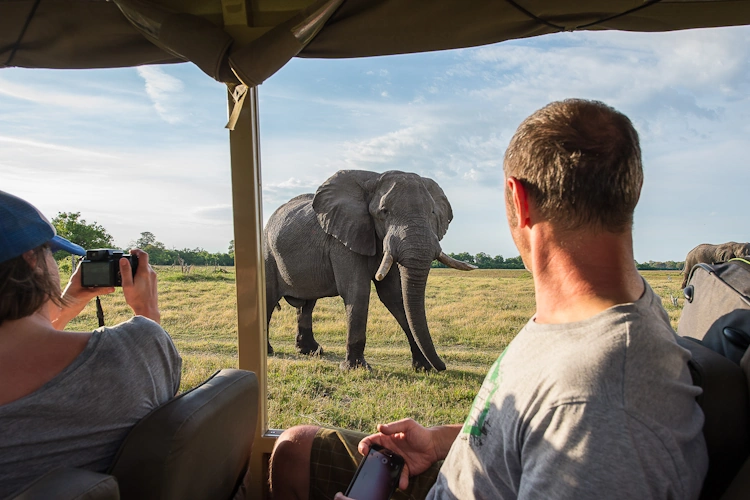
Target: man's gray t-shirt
point(601, 408)
point(80, 417)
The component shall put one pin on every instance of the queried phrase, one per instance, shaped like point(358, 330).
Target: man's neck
point(580, 274)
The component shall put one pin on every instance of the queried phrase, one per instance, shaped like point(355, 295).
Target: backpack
point(717, 307)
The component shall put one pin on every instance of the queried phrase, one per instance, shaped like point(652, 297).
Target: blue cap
point(23, 228)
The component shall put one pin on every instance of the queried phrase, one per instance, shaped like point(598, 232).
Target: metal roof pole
point(247, 207)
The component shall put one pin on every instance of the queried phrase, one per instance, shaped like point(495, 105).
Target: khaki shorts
point(334, 459)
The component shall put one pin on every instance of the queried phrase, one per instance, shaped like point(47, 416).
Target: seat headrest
point(726, 406)
point(196, 445)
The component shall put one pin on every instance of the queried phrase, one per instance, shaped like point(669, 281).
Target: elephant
point(713, 254)
point(345, 236)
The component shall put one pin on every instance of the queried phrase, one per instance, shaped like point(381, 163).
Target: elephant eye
point(383, 211)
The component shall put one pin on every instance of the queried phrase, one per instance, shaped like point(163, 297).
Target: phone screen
point(377, 475)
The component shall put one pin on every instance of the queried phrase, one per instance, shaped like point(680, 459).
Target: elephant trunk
point(413, 285)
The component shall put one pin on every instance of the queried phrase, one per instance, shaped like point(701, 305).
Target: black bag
point(717, 307)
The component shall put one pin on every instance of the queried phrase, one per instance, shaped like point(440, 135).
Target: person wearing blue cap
point(70, 398)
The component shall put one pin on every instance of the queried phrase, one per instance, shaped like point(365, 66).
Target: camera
point(101, 267)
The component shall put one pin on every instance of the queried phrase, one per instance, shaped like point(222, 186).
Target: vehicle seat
point(739, 489)
point(726, 405)
point(195, 446)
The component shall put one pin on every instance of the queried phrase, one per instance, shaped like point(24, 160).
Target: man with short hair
point(593, 398)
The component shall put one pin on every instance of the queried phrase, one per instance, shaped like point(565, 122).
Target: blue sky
point(145, 149)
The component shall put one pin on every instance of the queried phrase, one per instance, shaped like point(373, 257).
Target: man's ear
point(519, 198)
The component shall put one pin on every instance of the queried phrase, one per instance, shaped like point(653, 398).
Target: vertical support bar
point(247, 206)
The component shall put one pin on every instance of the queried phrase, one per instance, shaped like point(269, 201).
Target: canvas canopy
point(250, 39)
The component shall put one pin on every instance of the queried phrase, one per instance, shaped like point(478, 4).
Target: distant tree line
point(158, 253)
point(653, 265)
point(484, 261)
point(71, 226)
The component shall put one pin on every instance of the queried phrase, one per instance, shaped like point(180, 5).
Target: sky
point(145, 149)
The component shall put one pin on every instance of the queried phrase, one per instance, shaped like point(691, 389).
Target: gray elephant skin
point(713, 254)
point(345, 236)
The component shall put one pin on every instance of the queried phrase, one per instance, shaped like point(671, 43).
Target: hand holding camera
point(111, 268)
point(101, 267)
point(140, 286)
point(75, 296)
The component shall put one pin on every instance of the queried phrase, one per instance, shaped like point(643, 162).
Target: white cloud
point(384, 148)
point(165, 92)
point(78, 98)
point(218, 213)
point(28, 143)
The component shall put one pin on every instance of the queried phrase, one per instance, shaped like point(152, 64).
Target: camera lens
point(384, 460)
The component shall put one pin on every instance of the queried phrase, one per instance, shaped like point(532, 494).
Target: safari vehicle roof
point(118, 33)
point(243, 42)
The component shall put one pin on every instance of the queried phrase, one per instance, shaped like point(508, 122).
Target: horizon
point(144, 149)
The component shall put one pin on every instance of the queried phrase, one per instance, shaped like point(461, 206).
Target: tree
point(514, 263)
point(231, 249)
point(464, 256)
point(483, 260)
point(70, 226)
point(146, 239)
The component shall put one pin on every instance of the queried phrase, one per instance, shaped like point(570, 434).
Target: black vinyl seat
point(195, 446)
point(726, 406)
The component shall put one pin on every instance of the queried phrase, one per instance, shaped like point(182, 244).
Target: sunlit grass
point(472, 318)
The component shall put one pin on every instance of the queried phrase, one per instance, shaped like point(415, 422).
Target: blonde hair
point(580, 163)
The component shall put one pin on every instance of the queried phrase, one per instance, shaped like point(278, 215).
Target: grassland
point(472, 317)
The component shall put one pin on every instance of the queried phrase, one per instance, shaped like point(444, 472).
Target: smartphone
point(377, 475)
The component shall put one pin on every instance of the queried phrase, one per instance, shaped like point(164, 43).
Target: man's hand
point(419, 446)
point(140, 291)
point(76, 298)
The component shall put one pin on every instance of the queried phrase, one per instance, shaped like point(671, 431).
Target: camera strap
point(99, 311)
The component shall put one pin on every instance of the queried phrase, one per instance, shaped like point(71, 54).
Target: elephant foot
point(353, 365)
point(315, 350)
point(421, 365)
point(270, 350)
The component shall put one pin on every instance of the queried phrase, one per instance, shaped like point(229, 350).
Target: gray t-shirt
point(601, 408)
point(80, 417)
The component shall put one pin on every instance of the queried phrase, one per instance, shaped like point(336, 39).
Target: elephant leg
point(357, 302)
point(389, 292)
point(305, 341)
point(272, 302)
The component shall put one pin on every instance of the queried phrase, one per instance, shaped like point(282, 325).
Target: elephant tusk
point(385, 266)
point(455, 264)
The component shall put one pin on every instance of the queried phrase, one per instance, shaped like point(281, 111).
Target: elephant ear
point(740, 250)
point(342, 206)
point(725, 252)
point(443, 211)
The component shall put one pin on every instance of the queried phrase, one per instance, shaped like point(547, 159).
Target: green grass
point(472, 317)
